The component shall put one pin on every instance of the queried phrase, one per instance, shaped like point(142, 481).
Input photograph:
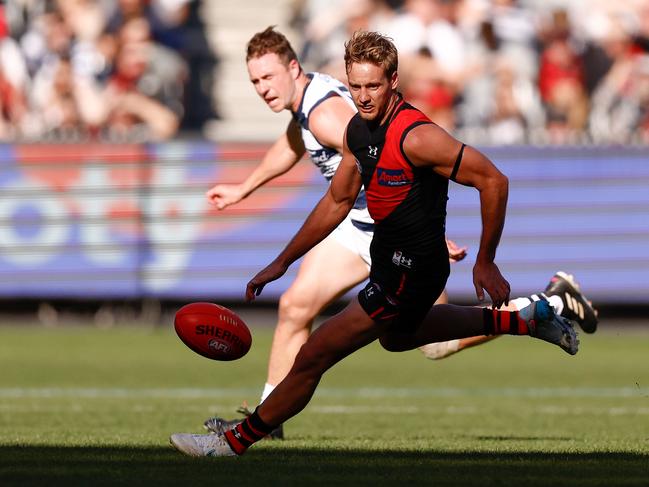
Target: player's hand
point(224, 195)
point(272, 272)
point(487, 277)
point(455, 253)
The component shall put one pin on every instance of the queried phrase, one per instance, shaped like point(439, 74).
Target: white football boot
point(211, 445)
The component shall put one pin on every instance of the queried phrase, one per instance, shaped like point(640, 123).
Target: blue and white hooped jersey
point(320, 88)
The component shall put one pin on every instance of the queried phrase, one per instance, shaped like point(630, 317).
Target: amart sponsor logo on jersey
point(392, 177)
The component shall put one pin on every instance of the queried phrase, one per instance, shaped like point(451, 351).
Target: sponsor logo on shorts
point(372, 289)
point(373, 151)
point(392, 177)
point(401, 260)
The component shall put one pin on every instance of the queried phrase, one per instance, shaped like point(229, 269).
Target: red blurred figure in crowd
point(561, 80)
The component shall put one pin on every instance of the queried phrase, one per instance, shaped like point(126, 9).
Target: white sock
point(521, 303)
point(557, 303)
point(268, 388)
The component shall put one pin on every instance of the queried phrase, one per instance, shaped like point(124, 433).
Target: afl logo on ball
point(218, 346)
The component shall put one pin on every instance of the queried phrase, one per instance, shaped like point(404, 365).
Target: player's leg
point(446, 322)
point(563, 292)
point(440, 350)
point(305, 298)
point(338, 337)
point(335, 339)
point(309, 293)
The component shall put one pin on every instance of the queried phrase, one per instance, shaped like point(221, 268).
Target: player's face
point(371, 89)
point(274, 81)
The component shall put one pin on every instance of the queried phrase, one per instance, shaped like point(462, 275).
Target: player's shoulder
point(322, 80)
point(407, 115)
point(322, 88)
point(326, 103)
point(406, 118)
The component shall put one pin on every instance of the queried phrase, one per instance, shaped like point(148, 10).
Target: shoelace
point(217, 422)
point(244, 409)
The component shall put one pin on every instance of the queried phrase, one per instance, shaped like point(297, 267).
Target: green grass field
point(87, 406)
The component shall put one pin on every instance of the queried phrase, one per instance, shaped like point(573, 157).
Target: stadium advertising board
point(95, 221)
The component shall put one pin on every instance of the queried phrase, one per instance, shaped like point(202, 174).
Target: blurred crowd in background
point(505, 71)
point(492, 71)
point(113, 70)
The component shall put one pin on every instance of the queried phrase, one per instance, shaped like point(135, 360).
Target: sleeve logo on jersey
point(392, 177)
point(373, 151)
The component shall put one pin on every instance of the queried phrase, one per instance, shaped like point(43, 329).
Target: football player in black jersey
point(409, 264)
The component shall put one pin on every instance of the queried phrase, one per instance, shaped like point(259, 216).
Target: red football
point(213, 331)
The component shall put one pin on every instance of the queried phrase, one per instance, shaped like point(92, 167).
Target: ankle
point(248, 432)
point(508, 322)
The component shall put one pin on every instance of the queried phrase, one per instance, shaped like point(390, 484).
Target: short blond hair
point(373, 48)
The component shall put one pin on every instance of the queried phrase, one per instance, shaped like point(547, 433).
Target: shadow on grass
point(68, 466)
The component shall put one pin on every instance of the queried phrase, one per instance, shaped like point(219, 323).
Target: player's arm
point(328, 121)
point(430, 145)
point(325, 217)
point(282, 156)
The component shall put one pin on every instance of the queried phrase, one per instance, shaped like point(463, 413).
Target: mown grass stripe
point(532, 392)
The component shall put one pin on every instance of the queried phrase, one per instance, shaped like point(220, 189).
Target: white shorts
point(355, 239)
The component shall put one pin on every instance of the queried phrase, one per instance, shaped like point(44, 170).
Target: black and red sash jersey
point(407, 203)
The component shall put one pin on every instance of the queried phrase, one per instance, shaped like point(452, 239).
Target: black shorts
point(404, 286)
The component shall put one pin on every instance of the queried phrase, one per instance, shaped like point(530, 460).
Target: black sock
point(248, 432)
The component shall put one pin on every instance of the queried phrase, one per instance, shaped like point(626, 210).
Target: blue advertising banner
point(133, 221)
point(120, 221)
